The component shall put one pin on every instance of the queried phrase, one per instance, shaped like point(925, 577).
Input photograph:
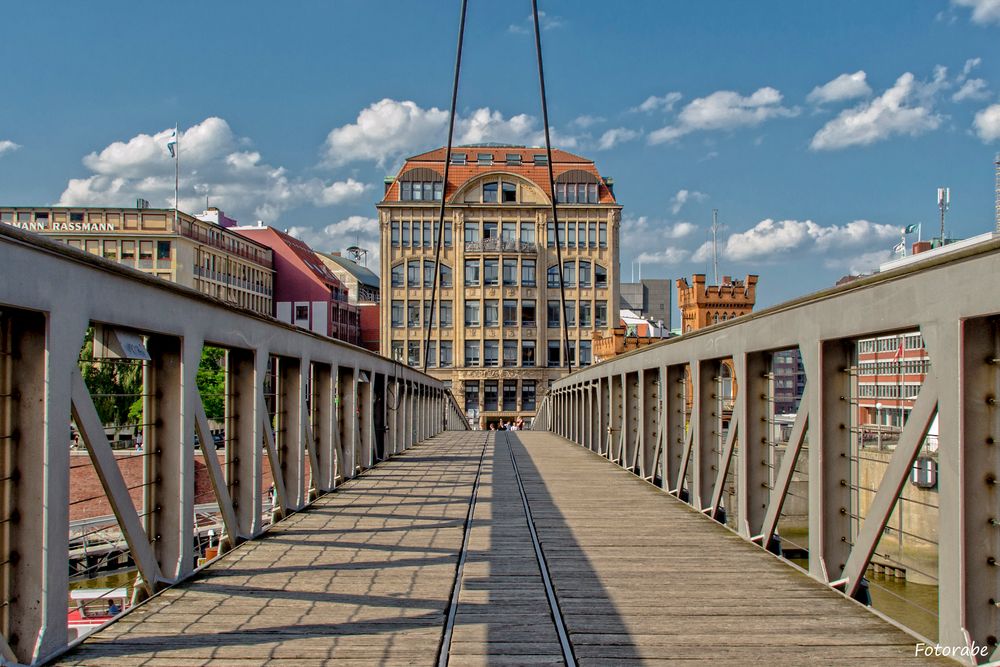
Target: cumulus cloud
point(8, 146)
point(987, 123)
point(844, 87)
point(667, 256)
point(661, 103)
point(906, 108)
point(528, 25)
point(770, 238)
point(970, 89)
point(615, 136)
point(214, 162)
point(724, 110)
point(586, 120)
point(389, 130)
point(866, 262)
point(983, 11)
point(354, 230)
point(682, 197)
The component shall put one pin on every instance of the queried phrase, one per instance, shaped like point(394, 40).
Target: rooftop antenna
point(358, 254)
point(715, 243)
point(944, 202)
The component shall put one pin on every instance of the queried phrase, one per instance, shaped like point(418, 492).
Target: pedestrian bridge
point(660, 510)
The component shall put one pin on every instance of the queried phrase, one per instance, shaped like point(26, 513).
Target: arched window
point(397, 275)
point(600, 276)
point(584, 273)
point(724, 316)
point(715, 318)
point(569, 274)
point(553, 276)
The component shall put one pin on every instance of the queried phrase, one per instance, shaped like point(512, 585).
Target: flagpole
point(177, 171)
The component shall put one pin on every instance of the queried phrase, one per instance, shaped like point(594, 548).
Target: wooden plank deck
point(365, 577)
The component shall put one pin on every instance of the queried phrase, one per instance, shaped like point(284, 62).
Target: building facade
point(497, 337)
point(702, 305)
point(363, 290)
point(177, 247)
point(306, 293)
point(649, 299)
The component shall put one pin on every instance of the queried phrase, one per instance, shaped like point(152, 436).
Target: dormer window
point(513, 159)
point(484, 159)
point(541, 159)
point(458, 158)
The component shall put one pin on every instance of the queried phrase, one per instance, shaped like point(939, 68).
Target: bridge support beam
point(649, 415)
point(324, 425)
point(829, 457)
point(288, 436)
point(753, 411)
point(705, 422)
point(674, 428)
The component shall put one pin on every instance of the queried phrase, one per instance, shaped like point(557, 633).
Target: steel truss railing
point(325, 430)
point(632, 410)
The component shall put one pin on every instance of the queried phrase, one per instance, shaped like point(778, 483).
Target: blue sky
point(816, 129)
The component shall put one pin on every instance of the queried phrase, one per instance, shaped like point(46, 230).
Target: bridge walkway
point(367, 575)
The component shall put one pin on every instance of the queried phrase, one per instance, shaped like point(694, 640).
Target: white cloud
point(844, 87)
point(906, 108)
point(667, 256)
point(724, 110)
point(354, 230)
point(615, 136)
point(972, 89)
point(585, 121)
point(389, 130)
point(866, 262)
point(8, 146)
point(662, 103)
point(770, 238)
point(983, 11)
point(682, 197)
point(987, 123)
point(214, 162)
point(680, 229)
point(528, 27)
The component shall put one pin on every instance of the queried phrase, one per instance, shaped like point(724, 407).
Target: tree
point(211, 382)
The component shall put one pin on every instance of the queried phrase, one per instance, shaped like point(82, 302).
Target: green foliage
point(212, 382)
point(115, 386)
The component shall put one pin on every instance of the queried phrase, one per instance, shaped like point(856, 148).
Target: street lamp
point(878, 424)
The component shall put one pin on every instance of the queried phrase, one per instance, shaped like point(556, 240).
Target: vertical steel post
point(752, 407)
point(706, 423)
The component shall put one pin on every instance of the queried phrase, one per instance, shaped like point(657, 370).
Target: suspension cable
point(444, 186)
point(552, 183)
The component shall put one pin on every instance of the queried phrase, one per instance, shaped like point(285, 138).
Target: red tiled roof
point(459, 175)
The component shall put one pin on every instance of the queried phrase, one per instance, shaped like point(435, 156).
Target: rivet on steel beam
point(993, 361)
point(991, 400)
point(992, 640)
point(991, 561)
point(990, 479)
point(843, 510)
point(993, 521)
point(990, 440)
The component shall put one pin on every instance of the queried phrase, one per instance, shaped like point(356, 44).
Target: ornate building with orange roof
point(497, 337)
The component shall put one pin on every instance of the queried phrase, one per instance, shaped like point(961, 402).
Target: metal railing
point(658, 412)
point(497, 244)
point(302, 412)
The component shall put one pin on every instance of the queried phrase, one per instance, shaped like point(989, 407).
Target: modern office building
point(497, 337)
point(649, 299)
point(196, 253)
point(306, 293)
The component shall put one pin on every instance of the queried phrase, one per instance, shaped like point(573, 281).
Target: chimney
point(921, 246)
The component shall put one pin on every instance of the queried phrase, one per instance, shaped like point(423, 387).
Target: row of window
point(415, 278)
point(888, 390)
point(473, 231)
point(423, 234)
point(489, 353)
point(511, 159)
point(577, 234)
point(921, 366)
point(572, 269)
point(491, 312)
point(491, 395)
point(576, 193)
point(487, 272)
point(599, 310)
point(891, 343)
point(421, 190)
point(418, 234)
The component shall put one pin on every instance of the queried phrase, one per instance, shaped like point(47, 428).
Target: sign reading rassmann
point(64, 226)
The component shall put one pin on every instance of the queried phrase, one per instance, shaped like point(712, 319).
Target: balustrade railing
point(231, 420)
point(868, 497)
